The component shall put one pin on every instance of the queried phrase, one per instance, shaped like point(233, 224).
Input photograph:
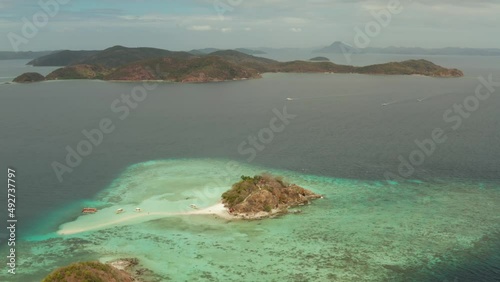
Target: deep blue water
point(341, 129)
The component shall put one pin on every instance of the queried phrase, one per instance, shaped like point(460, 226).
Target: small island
point(319, 59)
point(29, 77)
point(264, 196)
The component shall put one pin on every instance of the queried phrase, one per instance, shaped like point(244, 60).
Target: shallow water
point(360, 231)
point(440, 226)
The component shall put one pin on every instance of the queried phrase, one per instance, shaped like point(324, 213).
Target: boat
point(119, 210)
point(138, 209)
point(89, 210)
point(193, 206)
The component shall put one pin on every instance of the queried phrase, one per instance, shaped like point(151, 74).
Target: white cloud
point(466, 23)
point(200, 28)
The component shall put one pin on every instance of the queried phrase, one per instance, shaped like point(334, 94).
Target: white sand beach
point(107, 218)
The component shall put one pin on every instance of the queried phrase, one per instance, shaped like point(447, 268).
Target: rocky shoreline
point(263, 215)
point(134, 269)
point(265, 196)
point(93, 271)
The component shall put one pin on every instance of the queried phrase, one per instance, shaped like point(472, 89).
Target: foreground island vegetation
point(120, 63)
point(264, 196)
point(120, 270)
point(89, 271)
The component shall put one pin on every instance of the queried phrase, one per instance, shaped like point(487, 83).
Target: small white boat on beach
point(119, 211)
point(89, 210)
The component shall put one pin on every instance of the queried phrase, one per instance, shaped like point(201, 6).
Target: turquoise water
point(360, 231)
point(171, 152)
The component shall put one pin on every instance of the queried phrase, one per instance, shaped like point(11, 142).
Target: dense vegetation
point(88, 271)
point(9, 55)
point(112, 57)
point(264, 193)
point(421, 67)
point(206, 51)
point(319, 59)
point(29, 77)
point(198, 69)
point(61, 58)
point(79, 72)
point(118, 56)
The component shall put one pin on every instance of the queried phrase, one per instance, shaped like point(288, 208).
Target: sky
point(189, 24)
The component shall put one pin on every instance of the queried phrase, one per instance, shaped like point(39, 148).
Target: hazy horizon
point(195, 24)
point(237, 47)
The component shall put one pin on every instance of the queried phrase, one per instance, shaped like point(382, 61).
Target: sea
point(409, 167)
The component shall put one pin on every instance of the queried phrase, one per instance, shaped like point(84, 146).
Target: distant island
point(120, 63)
point(319, 59)
point(206, 51)
point(336, 47)
point(9, 55)
point(339, 47)
point(61, 58)
point(264, 196)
